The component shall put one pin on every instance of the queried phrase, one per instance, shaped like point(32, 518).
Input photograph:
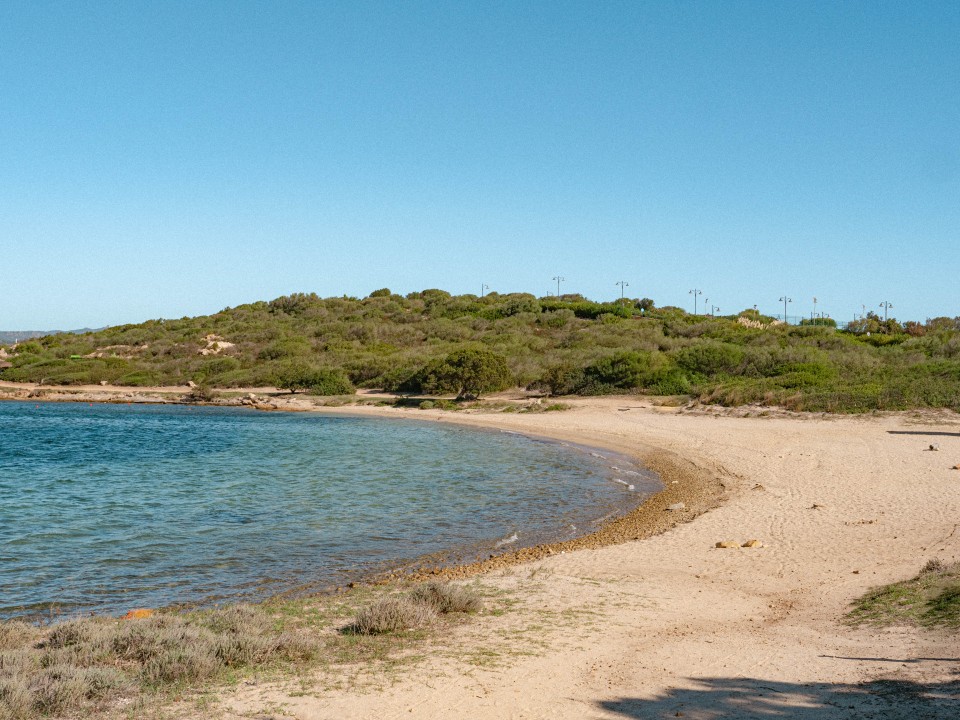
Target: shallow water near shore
point(108, 507)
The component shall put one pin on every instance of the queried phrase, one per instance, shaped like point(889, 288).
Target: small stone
point(677, 506)
point(758, 486)
point(856, 572)
point(957, 466)
point(752, 544)
point(816, 506)
point(727, 544)
point(191, 384)
point(934, 447)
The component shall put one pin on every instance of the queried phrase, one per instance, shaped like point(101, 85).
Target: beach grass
point(99, 665)
point(931, 599)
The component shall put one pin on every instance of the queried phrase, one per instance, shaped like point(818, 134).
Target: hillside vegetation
point(426, 341)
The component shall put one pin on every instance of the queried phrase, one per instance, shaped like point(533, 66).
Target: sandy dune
point(671, 626)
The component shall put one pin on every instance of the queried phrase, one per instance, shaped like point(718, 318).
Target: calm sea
point(104, 508)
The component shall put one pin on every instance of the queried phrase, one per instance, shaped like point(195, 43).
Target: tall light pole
point(483, 287)
point(559, 279)
point(785, 300)
point(886, 308)
point(713, 310)
point(814, 309)
point(623, 284)
point(695, 292)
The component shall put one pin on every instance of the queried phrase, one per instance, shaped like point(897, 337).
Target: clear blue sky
point(160, 159)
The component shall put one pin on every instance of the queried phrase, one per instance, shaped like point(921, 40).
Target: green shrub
point(284, 349)
point(325, 381)
point(709, 358)
point(669, 381)
point(467, 372)
point(556, 319)
point(318, 381)
point(622, 371)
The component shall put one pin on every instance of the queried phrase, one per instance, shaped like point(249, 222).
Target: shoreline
point(682, 480)
point(675, 624)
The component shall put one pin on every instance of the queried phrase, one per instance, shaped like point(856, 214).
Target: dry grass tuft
point(416, 610)
point(16, 634)
point(77, 666)
point(392, 614)
point(933, 565)
point(447, 598)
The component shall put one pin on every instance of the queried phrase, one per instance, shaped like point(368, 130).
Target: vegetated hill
point(559, 345)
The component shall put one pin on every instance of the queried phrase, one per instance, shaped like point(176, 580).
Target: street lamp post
point(483, 287)
point(886, 308)
point(785, 300)
point(623, 284)
point(713, 310)
point(559, 279)
point(695, 292)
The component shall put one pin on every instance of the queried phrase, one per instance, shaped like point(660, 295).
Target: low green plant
point(316, 381)
point(931, 599)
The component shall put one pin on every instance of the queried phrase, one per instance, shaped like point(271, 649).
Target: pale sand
point(670, 626)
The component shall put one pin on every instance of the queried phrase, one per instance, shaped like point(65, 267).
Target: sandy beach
point(669, 625)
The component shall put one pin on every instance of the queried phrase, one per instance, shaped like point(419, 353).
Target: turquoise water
point(108, 507)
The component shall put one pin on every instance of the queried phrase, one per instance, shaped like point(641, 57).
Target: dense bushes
point(466, 372)
point(318, 381)
point(710, 358)
point(434, 342)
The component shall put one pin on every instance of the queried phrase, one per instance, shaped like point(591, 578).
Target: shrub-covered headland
point(435, 343)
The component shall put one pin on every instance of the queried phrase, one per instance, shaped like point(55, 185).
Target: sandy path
point(673, 627)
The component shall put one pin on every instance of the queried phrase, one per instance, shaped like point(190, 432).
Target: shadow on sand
point(714, 698)
point(923, 432)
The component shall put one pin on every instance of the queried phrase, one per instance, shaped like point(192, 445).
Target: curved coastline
point(675, 624)
point(698, 487)
point(683, 481)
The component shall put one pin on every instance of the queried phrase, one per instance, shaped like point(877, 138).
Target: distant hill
point(557, 345)
point(8, 337)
